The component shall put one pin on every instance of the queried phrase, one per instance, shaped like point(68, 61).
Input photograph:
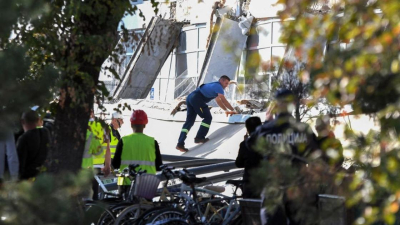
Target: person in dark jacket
point(286, 146)
point(32, 146)
point(249, 159)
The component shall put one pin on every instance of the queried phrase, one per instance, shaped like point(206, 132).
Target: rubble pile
point(245, 106)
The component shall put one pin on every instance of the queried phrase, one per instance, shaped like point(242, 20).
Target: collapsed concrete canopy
point(224, 51)
point(154, 48)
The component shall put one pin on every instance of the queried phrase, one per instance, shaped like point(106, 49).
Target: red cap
point(139, 117)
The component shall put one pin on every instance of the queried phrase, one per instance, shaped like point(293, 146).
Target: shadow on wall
point(217, 138)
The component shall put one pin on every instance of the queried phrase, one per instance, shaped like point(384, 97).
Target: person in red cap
point(137, 148)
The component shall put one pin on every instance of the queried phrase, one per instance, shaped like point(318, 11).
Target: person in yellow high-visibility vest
point(102, 158)
point(137, 148)
point(92, 146)
point(97, 129)
point(113, 136)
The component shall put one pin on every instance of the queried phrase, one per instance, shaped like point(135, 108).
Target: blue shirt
point(211, 90)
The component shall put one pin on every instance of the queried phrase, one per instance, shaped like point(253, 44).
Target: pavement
point(225, 134)
point(224, 138)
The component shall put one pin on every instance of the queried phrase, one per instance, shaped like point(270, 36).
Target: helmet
point(139, 117)
point(284, 95)
point(116, 115)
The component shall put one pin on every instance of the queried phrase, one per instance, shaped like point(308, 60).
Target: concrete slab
point(149, 57)
point(224, 52)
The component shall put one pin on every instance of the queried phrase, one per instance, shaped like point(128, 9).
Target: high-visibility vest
point(138, 148)
point(98, 131)
point(100, 158)
point(113, 144)
point(92, 146)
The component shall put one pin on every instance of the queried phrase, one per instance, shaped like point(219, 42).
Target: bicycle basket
point(250, 211)
point(146, 185)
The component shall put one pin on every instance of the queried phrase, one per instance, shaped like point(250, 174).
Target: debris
point(251, 104)
point(238, 109)
point(180, 101)
point(230, 113)
point(245, 24)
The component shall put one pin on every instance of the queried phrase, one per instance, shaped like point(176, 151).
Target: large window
point(263, 54)
point(191, 50)
point(264, 46)
point(189, 58)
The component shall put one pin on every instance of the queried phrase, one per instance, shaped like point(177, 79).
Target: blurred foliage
point(357, 65)
point(49, 199)
point(20, 87)
point(52, 53)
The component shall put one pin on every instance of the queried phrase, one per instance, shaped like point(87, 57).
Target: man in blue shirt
point(197, 105)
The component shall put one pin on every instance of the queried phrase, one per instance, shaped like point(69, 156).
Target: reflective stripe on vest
point(139, 149)
point(113, 144)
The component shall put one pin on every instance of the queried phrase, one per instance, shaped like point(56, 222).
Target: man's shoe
point(201, 140)
point(182, 148)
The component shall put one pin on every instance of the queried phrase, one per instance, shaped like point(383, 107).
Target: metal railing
point(197, 162)
point(200, 166)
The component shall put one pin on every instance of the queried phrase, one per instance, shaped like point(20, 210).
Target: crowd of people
point(24, 154)
point(280, 139)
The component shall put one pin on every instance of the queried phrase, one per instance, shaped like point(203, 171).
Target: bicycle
point(169, 197)
point(114, 205)
point(133, 213)
point(193, 213)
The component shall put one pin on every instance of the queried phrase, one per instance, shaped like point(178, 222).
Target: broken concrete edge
point(126, 76)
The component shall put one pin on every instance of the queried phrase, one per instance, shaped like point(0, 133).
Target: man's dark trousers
point(196, 105)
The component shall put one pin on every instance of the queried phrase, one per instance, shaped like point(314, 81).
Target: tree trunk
point(77, 94)
point(70, 127)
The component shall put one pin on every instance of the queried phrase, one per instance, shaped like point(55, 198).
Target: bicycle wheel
point(173, 221)
point(164, 215)
point(94, 211)
point(223, 214)
point(143, 219)
point(108, 216)
point(131, 213)
point(237, 221)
